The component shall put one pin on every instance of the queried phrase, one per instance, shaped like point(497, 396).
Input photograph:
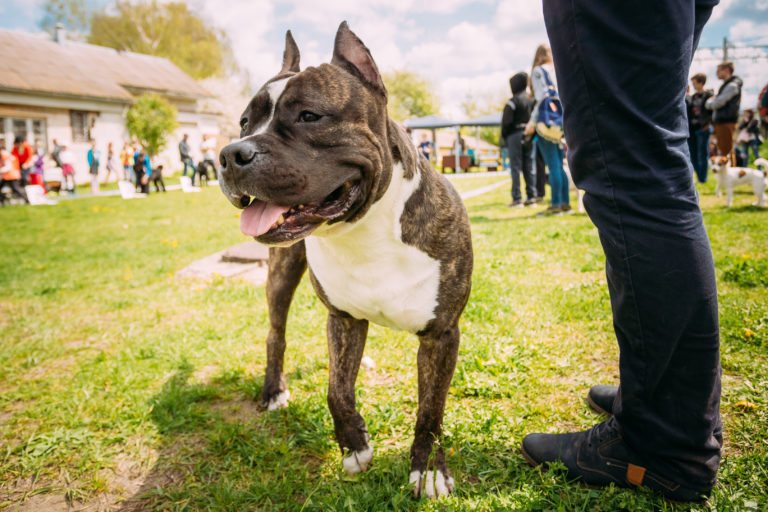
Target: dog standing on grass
point(328, 180)
point(729, 178)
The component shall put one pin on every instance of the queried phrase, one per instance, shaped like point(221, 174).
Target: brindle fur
point(293, 168)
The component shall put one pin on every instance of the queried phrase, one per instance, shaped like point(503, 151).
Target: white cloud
point(721, 9)
point(755, 33)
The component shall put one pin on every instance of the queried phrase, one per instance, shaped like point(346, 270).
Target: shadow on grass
point(219, 451)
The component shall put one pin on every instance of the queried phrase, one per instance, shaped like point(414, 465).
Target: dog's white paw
point(280, 401)
point(432, 483)
point(357, 462)
point(366, 363)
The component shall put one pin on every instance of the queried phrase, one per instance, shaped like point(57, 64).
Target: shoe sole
point(530, 460)
point(596, 407)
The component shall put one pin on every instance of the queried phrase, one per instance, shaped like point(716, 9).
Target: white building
point(78, 93)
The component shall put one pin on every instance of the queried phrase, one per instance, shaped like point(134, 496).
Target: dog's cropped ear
point(290, 55)
point(350, 53)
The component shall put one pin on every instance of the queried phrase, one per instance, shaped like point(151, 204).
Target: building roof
point(32, 62)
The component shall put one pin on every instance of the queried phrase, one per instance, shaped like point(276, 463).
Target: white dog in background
point(729, 178)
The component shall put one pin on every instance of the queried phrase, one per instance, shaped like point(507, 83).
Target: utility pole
point(725, 49)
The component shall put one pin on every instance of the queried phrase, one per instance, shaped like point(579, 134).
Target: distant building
point(78, 93)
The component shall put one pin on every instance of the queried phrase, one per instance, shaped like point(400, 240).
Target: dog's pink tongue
point(259, 217)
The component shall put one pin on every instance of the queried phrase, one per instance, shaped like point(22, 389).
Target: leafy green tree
point(150, 120)
point(75, 15)
point(410, 95)
point(479, 106)
point(168, 30)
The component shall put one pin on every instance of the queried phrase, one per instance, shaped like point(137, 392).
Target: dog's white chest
point(366, 270)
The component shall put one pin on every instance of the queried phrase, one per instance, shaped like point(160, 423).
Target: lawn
point(125, 384)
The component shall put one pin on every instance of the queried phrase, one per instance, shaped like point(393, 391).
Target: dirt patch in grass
point(50, 368)
point(243, 410)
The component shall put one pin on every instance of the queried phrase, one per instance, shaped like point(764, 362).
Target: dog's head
point(313, 147)
point(719, 163)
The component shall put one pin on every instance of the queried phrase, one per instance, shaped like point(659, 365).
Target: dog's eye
point(308, 117)
point(244, 124)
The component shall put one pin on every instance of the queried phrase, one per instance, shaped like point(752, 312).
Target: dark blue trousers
point(622, 69)
point(521, 162)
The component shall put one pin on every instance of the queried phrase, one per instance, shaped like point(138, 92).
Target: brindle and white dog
point(320, 166)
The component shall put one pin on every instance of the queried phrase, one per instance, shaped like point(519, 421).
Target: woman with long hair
point(542, 78)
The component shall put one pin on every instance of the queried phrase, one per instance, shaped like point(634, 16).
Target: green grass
point(122, 382)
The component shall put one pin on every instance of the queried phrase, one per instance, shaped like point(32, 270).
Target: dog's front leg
point(286, 266)
point(346, 342)
point(436, 360)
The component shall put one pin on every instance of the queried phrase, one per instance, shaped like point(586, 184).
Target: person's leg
point(755, 145)
point(541, 173)
point(528, 174)
point(702, 158)
point(724, 134)
point(515, 150)
point(553, 159)
point(565, 189)
point(626, 128)
point(18, 188)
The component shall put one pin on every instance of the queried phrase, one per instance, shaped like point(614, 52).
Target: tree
point(410, 95)
point(479, 106)
point(75, 15)
point(150, 120)
point(168, 30)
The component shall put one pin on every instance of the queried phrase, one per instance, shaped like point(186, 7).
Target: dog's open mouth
point(272, 223)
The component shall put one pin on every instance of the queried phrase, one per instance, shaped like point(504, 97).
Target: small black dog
point(156, 178)
point(202, 172)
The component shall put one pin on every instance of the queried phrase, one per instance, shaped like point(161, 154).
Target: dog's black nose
point(236, 155)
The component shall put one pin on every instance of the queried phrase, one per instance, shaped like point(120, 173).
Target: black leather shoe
point(600, 457)
point(601, 397)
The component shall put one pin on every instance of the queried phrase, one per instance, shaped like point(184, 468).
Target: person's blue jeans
point(754, 144)
point(553, 155)
point(622, 70)
point(188, 163)
point(520, 162)
point(699, 147)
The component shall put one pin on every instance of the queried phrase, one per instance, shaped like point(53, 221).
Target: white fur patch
point(275, 90)
point(433, 484)
point(368, 271)
point(357, 462)
point(366, 363)
point(280, 401)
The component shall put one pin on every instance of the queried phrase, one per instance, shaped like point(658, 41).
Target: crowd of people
point(55, 171)
point(714, 125)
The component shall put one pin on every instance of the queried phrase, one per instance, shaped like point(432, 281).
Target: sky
point(465, 48)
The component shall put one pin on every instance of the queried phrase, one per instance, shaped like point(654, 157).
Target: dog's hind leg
point(346, 342)
point(436, 360)
point(286, 266)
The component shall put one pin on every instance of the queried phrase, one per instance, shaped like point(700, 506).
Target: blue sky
point(465, 48)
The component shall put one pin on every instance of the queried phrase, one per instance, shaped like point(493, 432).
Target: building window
point(81, 130)
point(38, 132)
point(31, 130)
point(19, 128)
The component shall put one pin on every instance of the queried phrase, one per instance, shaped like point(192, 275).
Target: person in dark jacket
point(700, 125)
point(516, 114)
point(749, 135)
point(725, 108)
